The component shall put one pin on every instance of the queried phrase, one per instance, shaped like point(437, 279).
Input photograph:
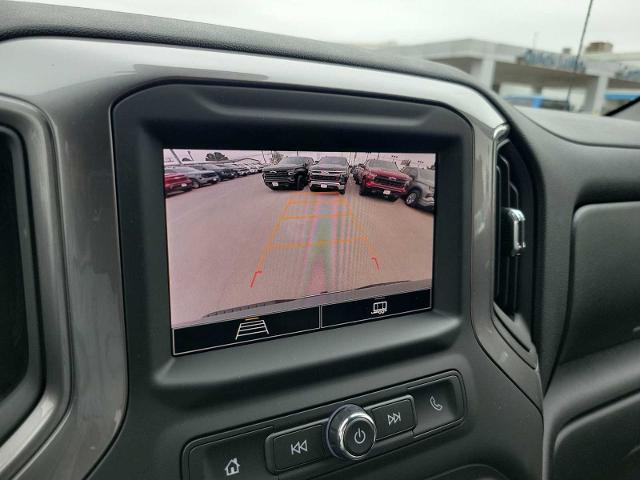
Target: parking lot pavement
point(239, 243)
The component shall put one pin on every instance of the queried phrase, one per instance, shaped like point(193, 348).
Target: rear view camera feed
point(264, 243)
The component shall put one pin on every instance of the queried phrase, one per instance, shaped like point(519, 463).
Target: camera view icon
point(379, 308)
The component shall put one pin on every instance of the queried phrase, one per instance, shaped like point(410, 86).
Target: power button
point(350, 432)
point(359, 437)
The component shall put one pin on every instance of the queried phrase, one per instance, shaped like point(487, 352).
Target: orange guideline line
point(372, 252)
point(314, 216)
point(253, 279)
point(332, 198)
point(313, 194)
point(272, 236)
point(317, 243)
point(267, 246)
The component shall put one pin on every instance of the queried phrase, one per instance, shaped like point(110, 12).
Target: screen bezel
point(182, 116)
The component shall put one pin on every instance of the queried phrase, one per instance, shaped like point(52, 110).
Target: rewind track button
point(298, 447)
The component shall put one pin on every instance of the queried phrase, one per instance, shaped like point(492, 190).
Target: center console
point(330, 437)
point(308, 313)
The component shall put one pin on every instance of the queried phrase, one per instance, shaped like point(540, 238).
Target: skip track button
point(393, 418)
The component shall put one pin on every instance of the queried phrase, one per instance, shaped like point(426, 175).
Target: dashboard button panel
point(326, 438)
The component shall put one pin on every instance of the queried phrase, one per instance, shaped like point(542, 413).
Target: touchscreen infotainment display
point(266, 243)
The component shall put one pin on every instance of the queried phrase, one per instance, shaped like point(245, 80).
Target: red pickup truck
point(176, 182)
point(383, 177)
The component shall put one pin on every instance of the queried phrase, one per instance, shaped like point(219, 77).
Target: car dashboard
point(482, 375)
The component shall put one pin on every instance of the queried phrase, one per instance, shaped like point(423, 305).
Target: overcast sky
point(546, 24)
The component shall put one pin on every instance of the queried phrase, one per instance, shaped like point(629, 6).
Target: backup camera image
point(269, 243)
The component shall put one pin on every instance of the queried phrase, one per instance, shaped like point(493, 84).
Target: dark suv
point(329, 173)
point(290, 172)
point(422, 189)
point(383, 177)
point(199, 178)
point(224, 173)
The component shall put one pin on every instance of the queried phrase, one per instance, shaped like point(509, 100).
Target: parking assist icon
point(252, 326)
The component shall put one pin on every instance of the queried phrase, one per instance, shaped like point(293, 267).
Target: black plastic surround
point(174, 400)
point(184, 115)
point(21, 375)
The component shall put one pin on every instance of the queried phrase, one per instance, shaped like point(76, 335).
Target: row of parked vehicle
point(374, 177)
point(183, 178)
point(330, 173)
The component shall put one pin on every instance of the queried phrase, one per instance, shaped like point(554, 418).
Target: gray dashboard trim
point(124, 66)
point(586, 129)
point(75, 83)
point(33, 129)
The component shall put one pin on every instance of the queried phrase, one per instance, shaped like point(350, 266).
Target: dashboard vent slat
point(507, 261)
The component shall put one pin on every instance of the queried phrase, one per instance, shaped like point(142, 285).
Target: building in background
point(538, 78)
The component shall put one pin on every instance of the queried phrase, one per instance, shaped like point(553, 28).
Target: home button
point(237, 458)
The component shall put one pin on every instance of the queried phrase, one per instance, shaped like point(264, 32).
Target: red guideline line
point(375, 260)
point(253, 279)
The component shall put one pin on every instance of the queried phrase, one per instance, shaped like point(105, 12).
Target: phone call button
point(437, 403)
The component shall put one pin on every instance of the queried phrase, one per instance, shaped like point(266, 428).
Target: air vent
point(20, 374)
point(510, 242)
point(513, 266)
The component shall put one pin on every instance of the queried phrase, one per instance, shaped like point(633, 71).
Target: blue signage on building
point(556, 61)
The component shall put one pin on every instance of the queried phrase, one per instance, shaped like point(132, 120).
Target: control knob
point(350, 432)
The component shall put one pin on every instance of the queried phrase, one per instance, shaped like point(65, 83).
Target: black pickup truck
point(329, 173)
point(290, 172)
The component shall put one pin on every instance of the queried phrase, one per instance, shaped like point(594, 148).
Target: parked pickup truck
point(290, 172)
point(330, 173)
point(176, 182)
point(421, 190)
point(383, 177)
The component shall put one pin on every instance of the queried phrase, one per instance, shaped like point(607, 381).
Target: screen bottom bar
point(265, 327)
